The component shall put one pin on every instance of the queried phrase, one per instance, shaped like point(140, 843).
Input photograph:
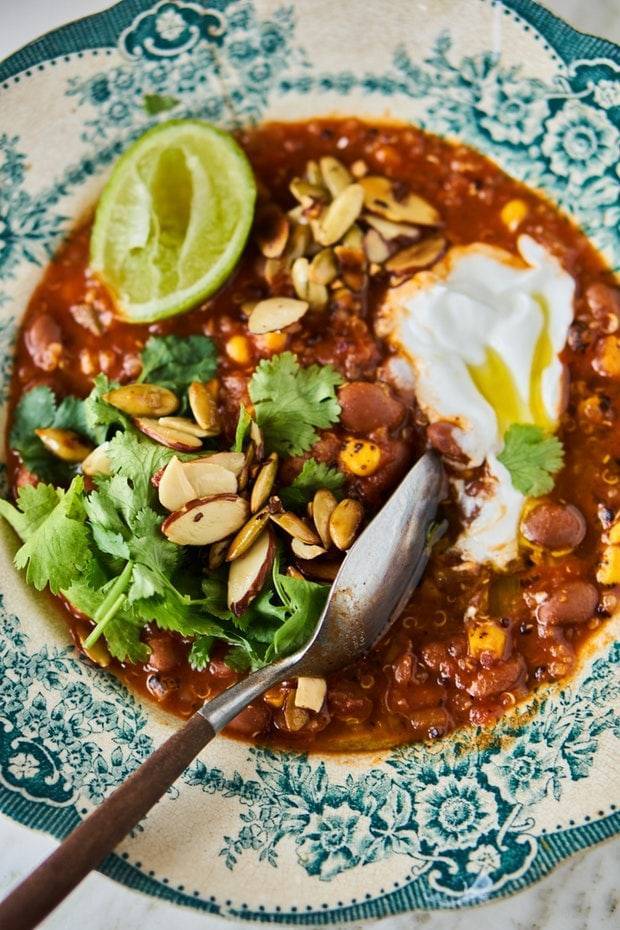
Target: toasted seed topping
point(206, 521)
point(248, 573)
point(272, 231)
point(335, 176)
point(344, 522)
point(300, 272)
point(307, 193)
point(323, 505)
point(143, 400)
point(319, 570)
point(165, 436)
point(376, 247)
point(340, 215)
point(389, 230)
point(264, 483)
point(323, 268)
point(379, 198)
point(416, 256)
point(185, 425)
point(64, 444)
point(202, 399)
point(217, 554)
point(295, 526)
point(303, 551)
point(97, 462)
point(276, 313)
point(247, 535)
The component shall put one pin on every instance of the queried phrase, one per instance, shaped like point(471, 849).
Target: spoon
point(372, 587)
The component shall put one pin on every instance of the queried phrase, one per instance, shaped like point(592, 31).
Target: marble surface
point(581, 894)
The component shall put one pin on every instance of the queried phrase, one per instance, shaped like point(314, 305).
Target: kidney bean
point(366, 406)
point(166, 653)
point(554, 525)
point(500, 677)
point(572, 602)
point(346, 703)
point(430, 722)
point(441, 437)
point(44, 342)
point(604, 303)
point(251, 722)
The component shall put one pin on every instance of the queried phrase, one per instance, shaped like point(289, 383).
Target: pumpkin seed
point(299, 241)
point(275, 271)
point(352, 266)
point(217, 554)
point(318, 296)
point(419, 255)
point(293, 572)
point(379, 198)
point(276, 312)
point(97, 462)
point(353, 239)
point(202, 397)
point(375, 246)
point(323, 505)
point(313, 173)
point(165, 436)
point(64, 444)
point(257, 438)
point(299, 277)
point(264, 483)
point(335, 176)
point(389, 230)
point(185, 425)
point(272, 231)
point(304, 551)
point(321, 571)
point(306, 193)
point(323, 268)
point(340, 215)
point(295, 526)
point(143, 400)
point(247, 535)
point(344, 522)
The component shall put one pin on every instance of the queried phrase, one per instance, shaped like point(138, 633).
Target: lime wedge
point(173, 219)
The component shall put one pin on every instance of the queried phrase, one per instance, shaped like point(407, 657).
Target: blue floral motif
point(512, 110)
point(455, 814)
point(580, 142)
point(334, 840)
point(170, 29)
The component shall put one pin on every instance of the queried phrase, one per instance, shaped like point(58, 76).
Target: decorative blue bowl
point(249, 833)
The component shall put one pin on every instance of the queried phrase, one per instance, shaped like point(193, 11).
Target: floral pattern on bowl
point(439, 826)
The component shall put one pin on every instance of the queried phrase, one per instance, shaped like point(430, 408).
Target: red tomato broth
point(419, 682)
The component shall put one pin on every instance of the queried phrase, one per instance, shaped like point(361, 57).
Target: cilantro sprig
point(175, 362)
point(314, 475)
point(291, 402)
point(532, 457)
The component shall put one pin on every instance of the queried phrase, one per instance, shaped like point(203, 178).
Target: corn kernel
point(513, 213)
point(486, 636)
point(607, 361)
point(360, 457)
point(274, 342)
point(609, 569)
point(613, 535)
point(239, 350)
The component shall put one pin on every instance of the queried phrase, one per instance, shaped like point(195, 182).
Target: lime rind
point(173, 219)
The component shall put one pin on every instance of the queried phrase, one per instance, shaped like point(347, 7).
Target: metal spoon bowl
point(372, 587)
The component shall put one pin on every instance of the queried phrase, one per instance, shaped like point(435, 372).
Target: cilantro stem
point(111, 604)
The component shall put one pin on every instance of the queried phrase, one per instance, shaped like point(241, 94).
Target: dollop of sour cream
point(483, 331)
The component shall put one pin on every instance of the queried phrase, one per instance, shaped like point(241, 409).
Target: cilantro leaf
point(304, 601)
point(532, 457)
point(57, 541)
point(292, 402)
point(34, 505)
point(98, 414)
point(175, 361)
point(200, 653)
point(243, 427)
point(158, 103)
point(314, 475)
point(38, 409)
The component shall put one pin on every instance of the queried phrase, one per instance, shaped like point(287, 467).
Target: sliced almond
point(264, 483)
point(248, 574)
point(323, 505)
point(379, 198)
point(208, 477)
point(323, 268)
point(143, 400)
point(416, 256)
point(185, 425)
point(174, 488)
point(335, 176)
point(310, 693)
point(275, 313)
point(165, 436)
point(202, 397)
point(247, 535)
point(340, 215)
point(295, 526)
point(64, 444)
point(97, 462)
point(303, 551)
point(376, 247)
point(217, 554)
point(389, 230)
point(205, 521)
point(344, 522)
point(233, 461)
point(319, 570)
point(256, 436)
point(272, 230)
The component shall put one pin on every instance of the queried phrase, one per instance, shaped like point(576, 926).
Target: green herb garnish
point(314, 475)
point(158, 103)
point(174, 361)
point(532, 457)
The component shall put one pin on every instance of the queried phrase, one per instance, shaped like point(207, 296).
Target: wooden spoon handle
point(90, 843)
